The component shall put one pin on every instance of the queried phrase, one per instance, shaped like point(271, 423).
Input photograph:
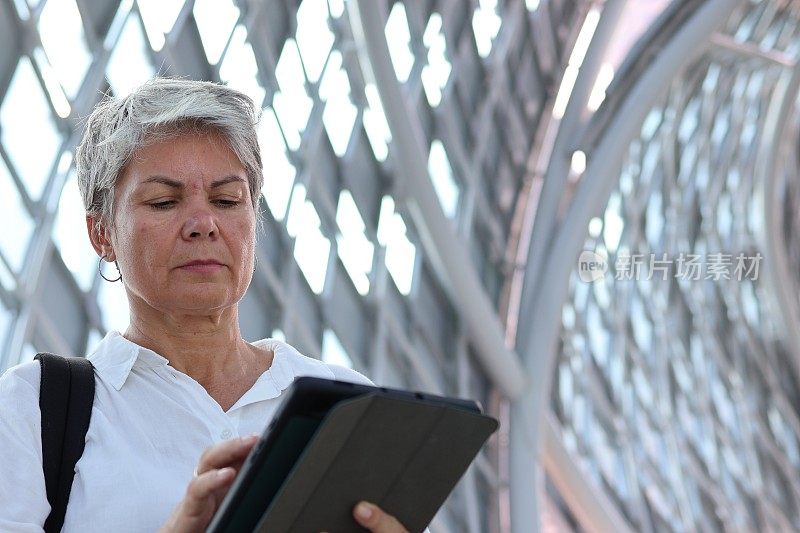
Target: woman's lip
point(201, 267)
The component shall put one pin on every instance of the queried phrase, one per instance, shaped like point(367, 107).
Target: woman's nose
point(200, 224)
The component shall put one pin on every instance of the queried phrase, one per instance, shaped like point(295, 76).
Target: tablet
point(333, 443)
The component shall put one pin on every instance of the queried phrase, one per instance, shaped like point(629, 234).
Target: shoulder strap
point(66, 396)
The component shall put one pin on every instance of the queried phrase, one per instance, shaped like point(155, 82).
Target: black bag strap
point(66, 396)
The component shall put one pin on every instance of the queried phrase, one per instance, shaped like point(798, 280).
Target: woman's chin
point(200, 303)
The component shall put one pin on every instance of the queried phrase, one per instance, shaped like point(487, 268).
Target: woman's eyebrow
point(223, 181)
point(169, 182)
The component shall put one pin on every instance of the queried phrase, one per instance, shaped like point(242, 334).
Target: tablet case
point(404, 455)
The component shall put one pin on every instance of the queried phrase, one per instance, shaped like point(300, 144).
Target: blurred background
point(433, 171)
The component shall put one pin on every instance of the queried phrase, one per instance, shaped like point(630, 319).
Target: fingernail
point(224, 472)
point(364, 510)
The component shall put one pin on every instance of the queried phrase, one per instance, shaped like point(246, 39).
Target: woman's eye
point(166, 204)
point(226, 203)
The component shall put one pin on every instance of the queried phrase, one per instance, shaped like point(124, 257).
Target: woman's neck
point(207, 348)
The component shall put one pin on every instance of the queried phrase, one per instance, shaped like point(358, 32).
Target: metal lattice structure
point(354, 265)
point(677, 395)
point(432, 171)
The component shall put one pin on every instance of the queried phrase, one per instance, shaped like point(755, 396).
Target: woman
point(170, 177)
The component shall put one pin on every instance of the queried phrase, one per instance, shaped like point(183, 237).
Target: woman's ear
point(99, 237)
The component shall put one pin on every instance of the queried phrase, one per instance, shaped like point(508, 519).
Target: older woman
point(171, 177)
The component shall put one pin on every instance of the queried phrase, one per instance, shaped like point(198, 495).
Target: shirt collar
point(287, 364)
point(115, 356)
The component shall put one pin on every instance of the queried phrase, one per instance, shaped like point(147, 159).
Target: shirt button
point(226, 434)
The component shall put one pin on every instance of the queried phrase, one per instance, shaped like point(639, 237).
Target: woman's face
point(184, 226)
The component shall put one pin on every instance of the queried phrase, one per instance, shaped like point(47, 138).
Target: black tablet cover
point(403, 454)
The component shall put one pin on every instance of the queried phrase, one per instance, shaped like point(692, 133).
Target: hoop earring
point(100, 270)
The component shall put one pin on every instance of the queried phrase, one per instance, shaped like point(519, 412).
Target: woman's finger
point(376, 520)
point(202, 492)
point(229, 453)
point(203, 495)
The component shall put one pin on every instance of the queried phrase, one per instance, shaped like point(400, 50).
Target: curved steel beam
point(539, 343)
point(776, 261)
point(447, 253)
point(558, 156)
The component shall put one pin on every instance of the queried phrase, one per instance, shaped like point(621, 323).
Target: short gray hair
point(160, 108)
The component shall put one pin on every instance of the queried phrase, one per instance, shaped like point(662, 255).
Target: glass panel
point(400, 253)
point(375, 124)
point(336, 8)
point(353, 246)
point(239, 67)
point(215, 20)
point(13, 244)
point(436, 73)
point(61, 32)
point(442, 176)
point(51, 84)
point(399, 40)
point(311, 248)
point(70, 235)
point(33, 145)
point(292, 104)
point(314, 37)
point(485, 25)
point(22, 9)
point(279, 173)
point(158, 17)
point(333, 352)
point(129, 65)
point(340, 113)
point(532, 5)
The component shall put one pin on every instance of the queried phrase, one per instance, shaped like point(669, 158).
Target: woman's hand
point(216, 470)
point(217, 467)
point(376, 520)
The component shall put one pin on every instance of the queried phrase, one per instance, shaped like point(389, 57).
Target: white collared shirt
point(149, 425)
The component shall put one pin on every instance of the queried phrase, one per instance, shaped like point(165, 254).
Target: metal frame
point(777, 262)
point(538, 345)
point(449, 257)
